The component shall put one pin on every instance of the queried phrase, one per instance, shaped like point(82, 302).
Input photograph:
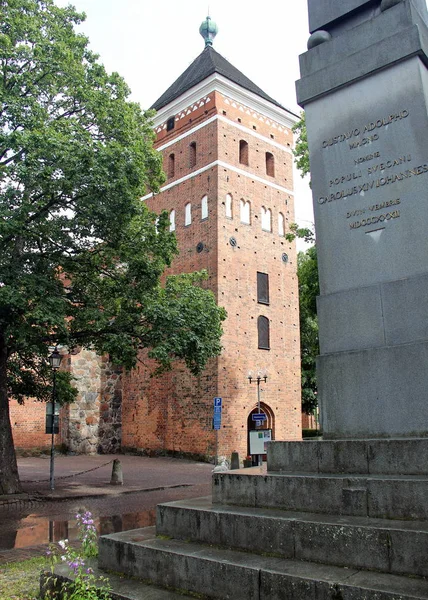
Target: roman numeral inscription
point(369, 172)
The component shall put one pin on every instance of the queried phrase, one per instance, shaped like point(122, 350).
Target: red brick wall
point(174, 412)
point(28, 425)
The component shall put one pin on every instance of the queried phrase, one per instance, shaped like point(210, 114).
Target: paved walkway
point(82, 476)
point(88, 477)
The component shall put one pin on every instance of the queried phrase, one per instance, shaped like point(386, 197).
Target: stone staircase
point(336, 520)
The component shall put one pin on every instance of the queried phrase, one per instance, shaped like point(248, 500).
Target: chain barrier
point(70, 476)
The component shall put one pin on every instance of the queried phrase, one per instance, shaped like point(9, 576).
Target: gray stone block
point(376, 496)
point(371, 456)
point(351, 320)
point(323, 12)
point(398, 498)
point(399, 457)
point(378, 392)
point(239, 490)
point(405, 308)
point(343, 545)
point(399, 547)
point(315, 582)
point(259, 531)
point(293, 456)
point(343, 457)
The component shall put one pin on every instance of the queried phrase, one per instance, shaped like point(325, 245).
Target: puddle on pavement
point(34, 530)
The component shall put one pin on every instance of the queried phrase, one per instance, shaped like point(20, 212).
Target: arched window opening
point(263, 333)
point(171, 166)
point(188, 214)
point(204, 208)
point(172, 220)
point(281, 224)
point(229, 209)
point(266, 219)
point(245, 212)
point(192, 155)
point(270, 164)
point(243, 152)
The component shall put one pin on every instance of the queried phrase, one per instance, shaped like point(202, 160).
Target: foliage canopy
point(307, 272)
point(81, 256)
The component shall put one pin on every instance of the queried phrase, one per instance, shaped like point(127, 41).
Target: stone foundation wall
point(110, 415)
point(95, 419)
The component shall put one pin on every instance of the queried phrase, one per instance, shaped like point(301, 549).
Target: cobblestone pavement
point(29, 521)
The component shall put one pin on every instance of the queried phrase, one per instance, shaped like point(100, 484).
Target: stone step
point(375, 496)
point(372, 456)
point(121, 588)
point(224, 574)
point(398, 547)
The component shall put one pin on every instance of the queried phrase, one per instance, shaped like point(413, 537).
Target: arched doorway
point(269, 423)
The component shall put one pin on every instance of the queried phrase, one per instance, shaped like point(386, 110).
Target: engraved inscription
point(369, 172)
point(358, 161)
point(374, 220)
point(389, 164)
point(369, 127)
point(375, 183)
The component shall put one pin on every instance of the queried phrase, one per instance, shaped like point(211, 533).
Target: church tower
point(227, 155)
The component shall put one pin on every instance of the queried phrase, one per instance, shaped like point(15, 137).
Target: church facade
point(227, 152)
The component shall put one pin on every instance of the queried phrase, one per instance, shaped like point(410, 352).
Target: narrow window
point(229, 209)
point(270, 164)
point(281, 225)
point(170, 124)
point(245, 212)
point(262, 288)
point(243, 152)
point(171, 166)
point(192, 155)
point(188, 214)
point(266, 219)
point(263, 333)
point(204, 208)
point(172, 220)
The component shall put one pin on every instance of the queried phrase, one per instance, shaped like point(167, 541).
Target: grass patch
point(20, 580)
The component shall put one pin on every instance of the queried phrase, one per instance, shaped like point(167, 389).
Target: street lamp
point(261, 376)
point(55, 362)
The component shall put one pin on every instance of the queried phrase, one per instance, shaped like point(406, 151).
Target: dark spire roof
point(207, 63)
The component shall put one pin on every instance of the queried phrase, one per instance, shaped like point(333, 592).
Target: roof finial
point(208, 30)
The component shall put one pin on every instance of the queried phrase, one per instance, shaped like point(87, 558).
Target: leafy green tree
point(301, 150)
point(307, 272)
point(81, 256)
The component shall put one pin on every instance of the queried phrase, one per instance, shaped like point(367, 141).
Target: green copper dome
point(208, 31)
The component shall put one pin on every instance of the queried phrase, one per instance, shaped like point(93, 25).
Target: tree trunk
point(9, 478)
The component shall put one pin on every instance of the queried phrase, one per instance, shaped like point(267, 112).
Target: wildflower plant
point(85, 585)
point(87, 534)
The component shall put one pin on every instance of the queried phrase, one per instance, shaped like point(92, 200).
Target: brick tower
point(227, 156)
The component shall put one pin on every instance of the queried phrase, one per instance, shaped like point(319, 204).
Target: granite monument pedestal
point(365, 94)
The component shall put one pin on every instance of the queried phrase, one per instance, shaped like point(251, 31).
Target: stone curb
point(22, 500)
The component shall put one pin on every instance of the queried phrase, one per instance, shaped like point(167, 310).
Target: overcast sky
point(150, 43)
